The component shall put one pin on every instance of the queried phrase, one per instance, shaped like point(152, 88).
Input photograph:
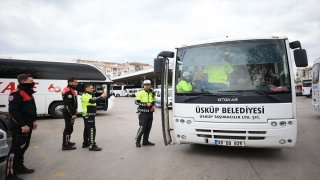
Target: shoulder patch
point(69, 96)
point(10, 98)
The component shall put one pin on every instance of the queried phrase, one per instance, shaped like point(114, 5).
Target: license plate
point(229, 143)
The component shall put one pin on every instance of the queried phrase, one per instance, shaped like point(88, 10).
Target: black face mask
point(73, 86)
point(28, 85)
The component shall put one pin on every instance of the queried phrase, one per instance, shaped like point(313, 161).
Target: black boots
point(94, 148)
point(24, 170)
point(138, 144)
point(147, 143)
point(68, 147)
point(13, 178)
point(85, 145)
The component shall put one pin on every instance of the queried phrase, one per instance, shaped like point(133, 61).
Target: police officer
point(216, 75)
point(145, 100)
point(22, 108)
point(89, 112)
point(185, 84)
point(69, 97)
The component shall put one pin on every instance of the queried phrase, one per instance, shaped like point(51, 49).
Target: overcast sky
point(127, 31)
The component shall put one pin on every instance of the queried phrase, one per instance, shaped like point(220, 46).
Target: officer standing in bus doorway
point(185, 84)
point(69, 97)
point(216, 75)
point(145, 100)
point(89, 112)
point(23, 111)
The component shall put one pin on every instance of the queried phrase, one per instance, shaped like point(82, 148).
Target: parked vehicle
point(50, 78)
point(4, 148)
point(298, 92)
point(158, 97)
point(261, 114)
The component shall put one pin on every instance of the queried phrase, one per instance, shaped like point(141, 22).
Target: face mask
point(27, 85)
point(73, 86)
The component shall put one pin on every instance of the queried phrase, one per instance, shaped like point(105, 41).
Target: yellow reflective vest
point(184, 86)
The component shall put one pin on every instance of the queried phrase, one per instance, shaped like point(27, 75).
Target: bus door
point(98, 90)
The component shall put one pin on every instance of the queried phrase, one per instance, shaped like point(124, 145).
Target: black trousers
point(145, 123)
point(19, 144)
point(68, 127)
point(89, 132)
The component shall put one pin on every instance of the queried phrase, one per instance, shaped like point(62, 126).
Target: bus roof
point(44, 67)
point(233, 39)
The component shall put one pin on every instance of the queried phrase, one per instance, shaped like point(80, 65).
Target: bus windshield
point(241, 66)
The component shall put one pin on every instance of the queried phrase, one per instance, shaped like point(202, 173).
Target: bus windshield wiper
point(267, 95)
point(210, 94)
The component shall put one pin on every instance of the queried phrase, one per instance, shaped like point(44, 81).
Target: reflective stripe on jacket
point(143, 97)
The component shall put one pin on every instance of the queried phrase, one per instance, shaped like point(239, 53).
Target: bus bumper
point(276, 133)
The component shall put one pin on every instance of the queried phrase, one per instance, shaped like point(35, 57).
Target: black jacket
point(69, 97)
point(22, 107)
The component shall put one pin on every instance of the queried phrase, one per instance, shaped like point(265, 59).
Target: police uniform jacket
point(69, 97)
point(22, 107)
point(89, 106)
point(144, 97)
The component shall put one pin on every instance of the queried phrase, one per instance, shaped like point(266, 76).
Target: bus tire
point(117, 95)
point(56, 110)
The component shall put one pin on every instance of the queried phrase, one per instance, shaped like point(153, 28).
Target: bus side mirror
point(166, 54)
point(157, 65)
point(300, 57)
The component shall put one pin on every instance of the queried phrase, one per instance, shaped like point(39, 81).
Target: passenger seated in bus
point(241, 79)
point(185, 84)
point(271, 78)
point(197, 77)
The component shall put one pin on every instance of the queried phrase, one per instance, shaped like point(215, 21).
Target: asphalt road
point(120, 159)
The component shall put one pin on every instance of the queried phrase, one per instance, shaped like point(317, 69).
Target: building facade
point(304, 73)
point(114, 69)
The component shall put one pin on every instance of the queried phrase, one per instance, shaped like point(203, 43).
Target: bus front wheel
point(56, 110)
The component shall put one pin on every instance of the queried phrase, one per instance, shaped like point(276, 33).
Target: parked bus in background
point(306, 86)
point(50, 79)
point(121, 90)
point(316, 84)
point(136, 90)
point(245, 98)
point(158, 97)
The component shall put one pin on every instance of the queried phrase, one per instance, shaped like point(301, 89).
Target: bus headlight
point(290, 122)
point(184, 137)
point(177, 120)
point(189, 121)
point(283, 123)
point(282, 141)
point(273, 123)
point(182, 121)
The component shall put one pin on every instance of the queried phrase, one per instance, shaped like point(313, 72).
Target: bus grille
point(230, 134)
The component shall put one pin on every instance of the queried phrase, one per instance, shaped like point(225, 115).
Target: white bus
point(50, 78)
point(316, 84)
point(253, 106)
point(121, 90)
point(306, 86)
point(158, 97)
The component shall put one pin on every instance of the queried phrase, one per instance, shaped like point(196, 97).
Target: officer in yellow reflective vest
point(89, 112)
point(145, 100)
point(185, 84)
point(217, 75)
